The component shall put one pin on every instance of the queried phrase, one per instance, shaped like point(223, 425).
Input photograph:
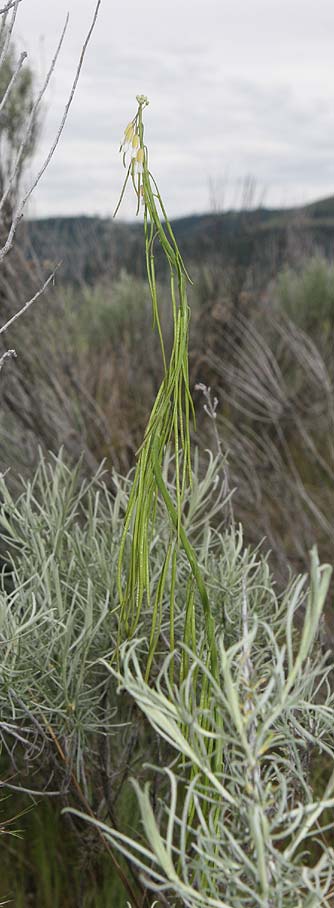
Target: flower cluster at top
point(131, 142)
point(132, 139)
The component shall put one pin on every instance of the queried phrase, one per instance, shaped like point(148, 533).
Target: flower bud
point(129, 133)
point(142, 100)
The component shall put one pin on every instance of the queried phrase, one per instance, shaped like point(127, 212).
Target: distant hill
point(91, 247)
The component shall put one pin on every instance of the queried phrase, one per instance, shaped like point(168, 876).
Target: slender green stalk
point(168, 425)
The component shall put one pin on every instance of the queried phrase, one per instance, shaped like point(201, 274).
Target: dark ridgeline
point(92, 248)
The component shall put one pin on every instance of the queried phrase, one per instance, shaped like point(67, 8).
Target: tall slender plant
point(168, 426)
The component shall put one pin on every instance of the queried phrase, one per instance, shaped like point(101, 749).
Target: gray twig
point(21, 206)
point(27, 306)
point(9, 29)
point(9, 354)
point(10, 85)
point(5, 9)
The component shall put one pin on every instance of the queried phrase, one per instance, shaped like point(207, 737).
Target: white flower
point(140, 157)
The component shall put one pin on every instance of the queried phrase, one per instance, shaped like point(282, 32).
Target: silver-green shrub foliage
point(246, 831)
point(60, 617)
point(251, 833)
point(62, 535)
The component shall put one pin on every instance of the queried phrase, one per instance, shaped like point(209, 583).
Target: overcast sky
point(237, 89)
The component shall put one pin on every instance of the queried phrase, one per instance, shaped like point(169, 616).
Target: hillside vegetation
point(260, 336)
point(91, 248)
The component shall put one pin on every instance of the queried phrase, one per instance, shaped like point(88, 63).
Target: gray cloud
point(234, 89)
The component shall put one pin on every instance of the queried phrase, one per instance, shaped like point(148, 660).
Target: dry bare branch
point(29, 302)
point(9, 28)
point(11, 84)
point(9, 354)
point(21, 206)
point(28, 130)
point(9, 6)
